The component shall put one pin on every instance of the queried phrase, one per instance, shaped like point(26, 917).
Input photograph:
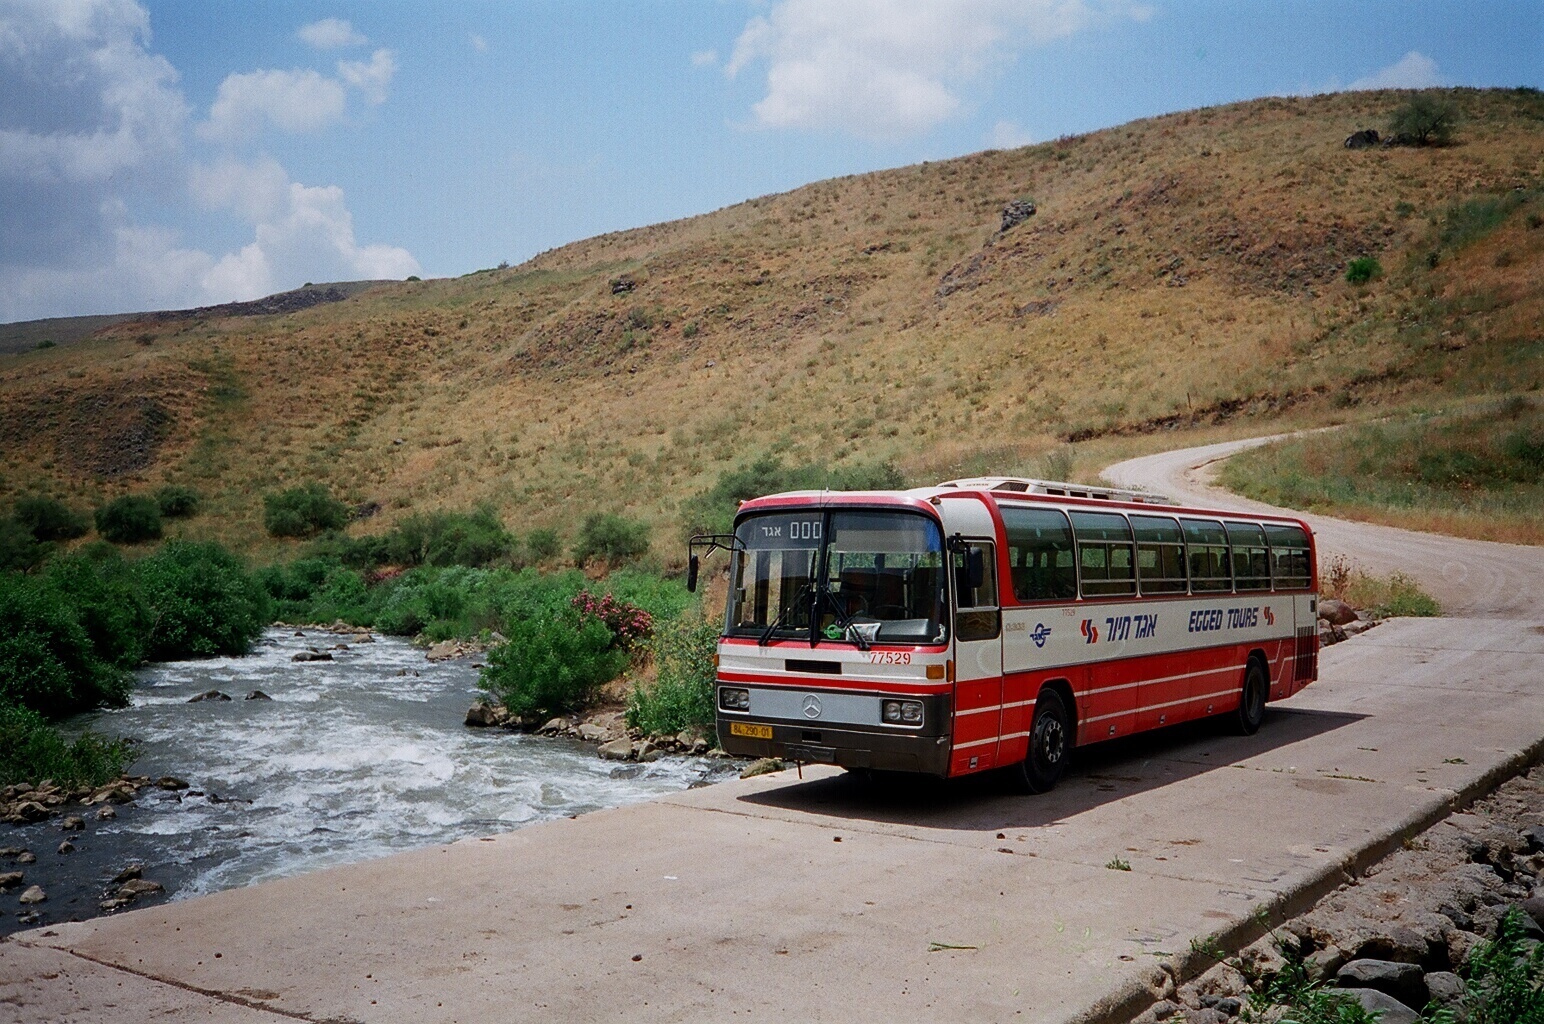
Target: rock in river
point(35, 894)
point(209, 695)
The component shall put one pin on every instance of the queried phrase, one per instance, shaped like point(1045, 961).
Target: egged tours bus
point(1000, 622)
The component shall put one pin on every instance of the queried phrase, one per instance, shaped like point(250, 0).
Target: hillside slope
point(1183, 270)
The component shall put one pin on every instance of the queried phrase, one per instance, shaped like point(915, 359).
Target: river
point(350, 759)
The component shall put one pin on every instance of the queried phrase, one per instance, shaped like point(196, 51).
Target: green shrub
point(177, 501)
point(1505, 977)
point(19, 549)
point(49, 519)
point(303, 512)
point(31, 751)
point(47, 660)
point(202, 602)
point(474, 538)
point(605, 535)
point(1363, 269)
point(552, 665)
point(1425, 119)
point(131, 519)
point(104, 593)
point(542, 545)
point(681, 697)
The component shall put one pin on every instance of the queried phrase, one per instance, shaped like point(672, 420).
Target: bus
point(998, 623)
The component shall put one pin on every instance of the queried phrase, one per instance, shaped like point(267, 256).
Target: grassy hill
point(1180, 273)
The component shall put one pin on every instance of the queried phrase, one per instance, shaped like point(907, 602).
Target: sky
point(172, 153)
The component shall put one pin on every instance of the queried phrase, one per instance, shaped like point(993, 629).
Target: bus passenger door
point(978, 657)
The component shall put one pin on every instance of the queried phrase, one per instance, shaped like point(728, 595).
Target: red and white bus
point(1000, 622)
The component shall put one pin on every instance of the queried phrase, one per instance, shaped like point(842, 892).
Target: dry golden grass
point(1187, 267)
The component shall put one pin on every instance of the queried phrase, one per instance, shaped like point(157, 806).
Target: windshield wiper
point(799, 595)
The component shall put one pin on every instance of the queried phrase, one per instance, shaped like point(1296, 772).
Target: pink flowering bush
point(630, 625)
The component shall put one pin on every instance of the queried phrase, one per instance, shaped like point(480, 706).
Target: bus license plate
point(755, 732)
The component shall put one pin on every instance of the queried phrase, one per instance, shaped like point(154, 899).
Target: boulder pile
point(1339, 621)
point(606, 728)
point(1397, 938)
point(23, 804)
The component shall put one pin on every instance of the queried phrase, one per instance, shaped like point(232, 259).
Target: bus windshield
point(854, 575)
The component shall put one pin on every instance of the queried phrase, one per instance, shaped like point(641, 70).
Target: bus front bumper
point(845, 745)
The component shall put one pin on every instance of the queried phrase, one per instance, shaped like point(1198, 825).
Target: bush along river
point(345, 759)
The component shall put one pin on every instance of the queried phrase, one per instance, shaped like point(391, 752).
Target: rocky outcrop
point(23, 804)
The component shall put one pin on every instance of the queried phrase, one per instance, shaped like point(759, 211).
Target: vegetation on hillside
point(1474, 472)
point(1181, 271)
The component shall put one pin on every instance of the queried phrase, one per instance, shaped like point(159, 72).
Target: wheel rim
point(1050, 741)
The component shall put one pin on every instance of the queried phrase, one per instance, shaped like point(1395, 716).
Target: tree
point(1425, 119)
point(130, 519)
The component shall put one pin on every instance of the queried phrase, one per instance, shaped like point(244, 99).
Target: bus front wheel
point(1251, 702)
point(1050, 743)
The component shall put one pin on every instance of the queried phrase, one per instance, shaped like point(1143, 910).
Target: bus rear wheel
point(1050, 743)
point(1251, 701)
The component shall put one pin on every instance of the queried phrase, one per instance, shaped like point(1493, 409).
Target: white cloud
point(370, 78)
point(94, 122)
point(477, 42)
point(300, 101)
point(330, 34)
point(892, 68)
point(1007, 135)
point(1414, 70)
point(704, 58)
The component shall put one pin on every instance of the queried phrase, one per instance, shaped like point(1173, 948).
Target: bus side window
point(1106, 555)
point(1289, 556)
point(1040, 542)
point(1251, 558)
point(1206, 545)
point(1160, 555)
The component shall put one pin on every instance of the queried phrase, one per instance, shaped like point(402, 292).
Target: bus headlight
point(902, 712)
point(733, 699)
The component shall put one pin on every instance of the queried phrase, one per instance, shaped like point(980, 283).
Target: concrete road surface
point(817, 899)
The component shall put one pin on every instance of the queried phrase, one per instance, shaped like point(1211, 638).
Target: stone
point(1206, 1015)
point(34, 894)
point(1534, 837)
point(1444, 987)
point(209, 695)
point(444, 651)
point(32, 918)
point(642, 748)
point(622, 285)
point(304, 656)
point(1229, 1006)
point(1528, 919)
point(66, 847)
point(1400, 980)
point(1336, 612)
point(1389, 1009)
point(762, 766)
point(591, 733)
point(554, 726)
point(26, 857)
point(10, 878)
point(1323, 963)
point(482, 714)
point(1363, 139)
point(653, 754)
point(29, 810)
point(74, 823)
point(136, 887)
point(109, 905)
point(257, 695)
point(106, 813)
point(1459, 945)
point(1402, 944)
point(1163, 1009)
point(1016, 213)
point(699, 746)
point(1457, 915)
point(132, 871)
point(170, 782)
point(617, 750)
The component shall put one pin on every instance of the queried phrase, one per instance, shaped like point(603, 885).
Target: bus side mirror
point(975, 567)
point(691, 574)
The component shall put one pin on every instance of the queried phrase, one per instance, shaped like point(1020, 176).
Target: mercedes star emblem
point(811, 706)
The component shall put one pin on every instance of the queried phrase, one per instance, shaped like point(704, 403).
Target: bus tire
point(1050, 744)
point(1251, 699)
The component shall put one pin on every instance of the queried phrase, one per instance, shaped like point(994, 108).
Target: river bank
point(350, 758)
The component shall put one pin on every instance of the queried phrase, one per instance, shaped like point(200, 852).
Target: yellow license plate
point(755, 732)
